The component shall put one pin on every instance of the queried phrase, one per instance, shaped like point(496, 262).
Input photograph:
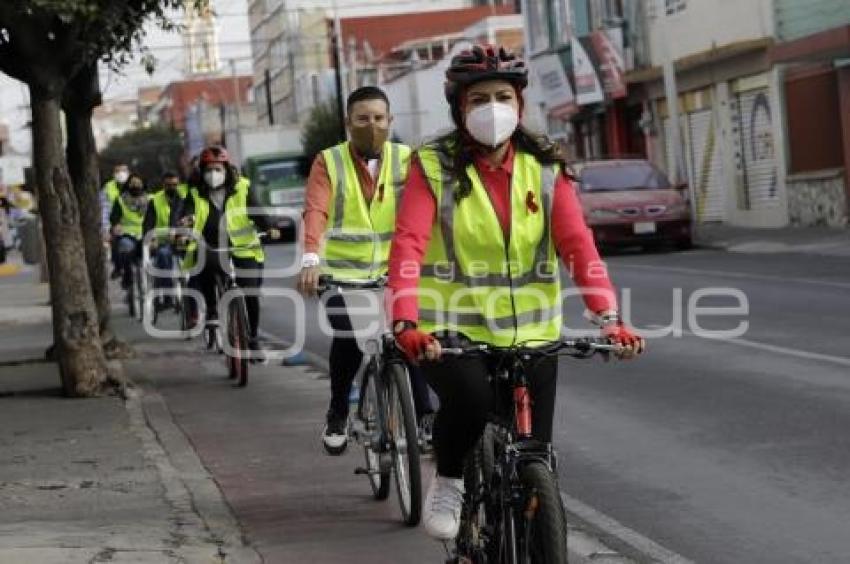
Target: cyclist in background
point(108, 194)
point(349, 216)
point(221, 199)
point(164, 209)
point(487, 209)
point(126, 219)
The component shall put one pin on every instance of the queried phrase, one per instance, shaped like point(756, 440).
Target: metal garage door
point(703, 148)
point(755, 163)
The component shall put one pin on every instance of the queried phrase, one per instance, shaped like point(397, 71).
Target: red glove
point(413, 343)
point(619, 334)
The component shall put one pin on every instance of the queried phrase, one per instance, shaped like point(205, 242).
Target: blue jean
point(127, 248)
point(163, 260)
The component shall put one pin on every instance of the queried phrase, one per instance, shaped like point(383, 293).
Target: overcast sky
point(234, 43)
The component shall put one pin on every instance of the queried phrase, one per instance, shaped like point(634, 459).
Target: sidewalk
point(85, 481)
point(188, 468)
point(823, 241)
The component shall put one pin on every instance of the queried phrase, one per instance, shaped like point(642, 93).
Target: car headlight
point(602, 213)
point(678, 209)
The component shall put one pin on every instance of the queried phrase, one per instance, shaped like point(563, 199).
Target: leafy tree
point(321, 130)
point(49, 44)
point(149, 151)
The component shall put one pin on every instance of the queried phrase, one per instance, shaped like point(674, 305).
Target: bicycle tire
point(131, 293)
point(547, 539)
point(237, 338)
point(404, 434)
point(368, 408)
point(470, 542)
point(140, 293)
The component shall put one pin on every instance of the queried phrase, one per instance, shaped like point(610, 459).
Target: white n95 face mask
point(214, 178)
point(492, 124)
point(122, 176)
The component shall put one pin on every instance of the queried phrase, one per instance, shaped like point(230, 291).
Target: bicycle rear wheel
point(379, 479)
point(237, 337)
point(131, 293)
point(404, 438)
point(543, 519)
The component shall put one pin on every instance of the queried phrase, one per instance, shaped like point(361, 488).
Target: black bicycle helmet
point(483, 62)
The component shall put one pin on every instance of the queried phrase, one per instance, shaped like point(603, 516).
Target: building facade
point(812, 54)
point(293, 52)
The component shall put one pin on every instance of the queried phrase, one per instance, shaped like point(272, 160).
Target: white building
point(292, 54)
point(729, 106)
point(418, 105)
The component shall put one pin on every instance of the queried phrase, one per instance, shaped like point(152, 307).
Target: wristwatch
point(603, 318)
point(309, 260)
point(400, 326)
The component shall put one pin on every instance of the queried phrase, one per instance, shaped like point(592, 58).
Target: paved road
point(724, 451)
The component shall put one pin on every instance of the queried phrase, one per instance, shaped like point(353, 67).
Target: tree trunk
point(81, 96)
point(82, 365)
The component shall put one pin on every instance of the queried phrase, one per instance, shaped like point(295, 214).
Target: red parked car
point(631, 202)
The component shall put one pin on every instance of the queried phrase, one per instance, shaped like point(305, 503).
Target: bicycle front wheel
point(237, 335)
point(543, 520)
point(379, 479)
point(404, 439)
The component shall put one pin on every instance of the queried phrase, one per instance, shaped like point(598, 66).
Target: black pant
point(204, 282)
point(466, 399)
point(345, 358)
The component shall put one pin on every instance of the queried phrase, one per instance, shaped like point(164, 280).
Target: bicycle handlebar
point(327, 282)
point(583, 347)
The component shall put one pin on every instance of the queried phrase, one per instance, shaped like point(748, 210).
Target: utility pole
point(237, 98)
point(269, 108)
point(337, 59)
point(671, 92)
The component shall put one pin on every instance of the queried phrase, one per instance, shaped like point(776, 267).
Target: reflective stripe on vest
point(357, 242)
point(131, 220)
point(475, 283)
point(241, 231)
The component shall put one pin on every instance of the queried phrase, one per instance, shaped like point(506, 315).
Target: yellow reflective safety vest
point(112, 191)
point(475, 282)
point(241, 231)
point(357, 240)
point(162, 209)
point(132, 216)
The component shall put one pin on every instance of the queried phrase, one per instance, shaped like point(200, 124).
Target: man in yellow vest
point(110, 192)
point(166, 206)
point(126, 218)
point(349, 219)
point(222, 200)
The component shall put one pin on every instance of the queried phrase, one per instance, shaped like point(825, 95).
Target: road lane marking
point(788, 351)
point(725, 273)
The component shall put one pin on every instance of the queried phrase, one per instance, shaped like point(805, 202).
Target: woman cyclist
point(486, 211)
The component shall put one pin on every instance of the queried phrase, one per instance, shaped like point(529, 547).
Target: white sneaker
point(442, 507)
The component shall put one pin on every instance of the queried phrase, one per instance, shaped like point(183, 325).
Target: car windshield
point(279, 173)
point(622, 176)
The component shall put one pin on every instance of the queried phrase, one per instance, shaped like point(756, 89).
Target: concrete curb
point(614, 535)
point(189, 487)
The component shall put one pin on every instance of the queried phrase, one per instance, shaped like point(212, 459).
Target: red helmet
point(484, 62)
point(214, 154)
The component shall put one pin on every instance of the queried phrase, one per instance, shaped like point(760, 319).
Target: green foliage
point(92, 30)
point(149, 152)
point(322, 129)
